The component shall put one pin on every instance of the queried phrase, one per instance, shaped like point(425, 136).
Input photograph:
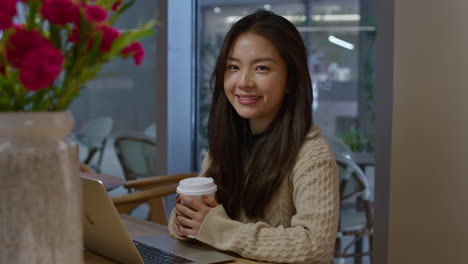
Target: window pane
point(339, 36)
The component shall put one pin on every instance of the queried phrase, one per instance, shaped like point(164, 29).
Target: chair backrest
point(354, 185)
point(95, 130)
point(356, 214)
point(338, 146)
point(150, 131)
point(137, 156)
point(353, 177)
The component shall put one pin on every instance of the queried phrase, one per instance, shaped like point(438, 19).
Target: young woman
point(277, 197)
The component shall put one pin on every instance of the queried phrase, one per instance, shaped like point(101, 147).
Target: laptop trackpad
point(193, 250)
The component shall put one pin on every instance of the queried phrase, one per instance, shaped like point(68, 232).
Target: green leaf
point(130, 36)
point(106, 3)
point(94, 54)
point(119, 11)
point(55, 37)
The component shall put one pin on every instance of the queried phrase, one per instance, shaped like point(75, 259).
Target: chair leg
point(358, 250)
point(91, 153)
point(337, 247)
point(157, 213)
point(101, 153)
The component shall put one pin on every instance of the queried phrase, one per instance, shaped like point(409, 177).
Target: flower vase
point(40, 194)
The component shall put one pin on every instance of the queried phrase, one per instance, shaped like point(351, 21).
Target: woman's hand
point(190, 213)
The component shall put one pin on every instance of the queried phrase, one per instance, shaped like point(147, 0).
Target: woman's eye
point(262, 68)
point(232, 67)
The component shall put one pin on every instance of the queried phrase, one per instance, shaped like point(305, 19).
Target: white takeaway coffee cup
point(197, 187)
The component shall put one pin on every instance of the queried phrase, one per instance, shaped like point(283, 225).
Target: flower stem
point(32, 12)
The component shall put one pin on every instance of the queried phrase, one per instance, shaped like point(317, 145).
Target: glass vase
point(40, 194)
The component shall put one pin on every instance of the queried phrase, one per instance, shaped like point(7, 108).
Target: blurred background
point(125, 100)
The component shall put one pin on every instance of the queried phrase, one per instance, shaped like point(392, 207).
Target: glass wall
point(340, 38)
point(339, 35)
point(122, 92)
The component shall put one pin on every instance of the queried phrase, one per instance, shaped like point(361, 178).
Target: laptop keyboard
point(152, 255)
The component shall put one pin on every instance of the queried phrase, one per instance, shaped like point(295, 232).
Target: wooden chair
point(356, 215)
point(85, 168)
point(136, 154)
point(151, 191)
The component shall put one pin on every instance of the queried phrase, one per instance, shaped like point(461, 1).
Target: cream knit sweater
point(301, 220)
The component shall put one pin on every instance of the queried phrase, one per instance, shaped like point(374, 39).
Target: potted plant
point(45, 59)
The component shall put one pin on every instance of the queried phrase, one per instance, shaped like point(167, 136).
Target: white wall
point(428, 210)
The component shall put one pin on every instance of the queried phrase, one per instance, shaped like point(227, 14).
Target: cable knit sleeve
point(311, 235)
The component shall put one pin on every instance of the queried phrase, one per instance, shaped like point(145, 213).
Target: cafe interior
point(384, 98)
point(120, 110)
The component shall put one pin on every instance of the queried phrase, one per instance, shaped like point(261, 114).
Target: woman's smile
point(247, 100)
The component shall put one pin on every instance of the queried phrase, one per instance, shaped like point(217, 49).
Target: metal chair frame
point(102, 135)
point(363, 204)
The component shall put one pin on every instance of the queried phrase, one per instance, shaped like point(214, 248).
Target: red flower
point(5, 21)
point(60, 11)
point(7, 12)
point(38, 61)
point(135, 49)
point(116, 5)
point(21, 43)
point(95, 14)
point(41, 67)
point(109, 34)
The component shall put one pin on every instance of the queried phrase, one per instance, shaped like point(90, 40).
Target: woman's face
point(255, 80)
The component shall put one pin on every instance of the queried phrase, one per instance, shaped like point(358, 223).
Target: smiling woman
point(277, 197)
point(255, 80)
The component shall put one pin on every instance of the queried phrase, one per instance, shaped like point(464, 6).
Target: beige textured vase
point(40, 190)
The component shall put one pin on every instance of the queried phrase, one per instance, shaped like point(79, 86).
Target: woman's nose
point(245, 80)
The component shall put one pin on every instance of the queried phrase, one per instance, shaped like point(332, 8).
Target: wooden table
point(137, 228)
point(110, 182)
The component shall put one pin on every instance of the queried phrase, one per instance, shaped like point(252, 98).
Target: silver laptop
point(105, 234)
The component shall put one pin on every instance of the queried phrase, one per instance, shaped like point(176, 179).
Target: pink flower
point(95, 14)
point(135, 49)
point(60, 12)
point(41, 67)
point(7, 12)
point(21, 43)
point(116, 5)
point(109, 34)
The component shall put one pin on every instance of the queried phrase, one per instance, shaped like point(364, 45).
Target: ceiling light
point(232, 19)
point(342, 17)
point(340, 42)
point(296, 18)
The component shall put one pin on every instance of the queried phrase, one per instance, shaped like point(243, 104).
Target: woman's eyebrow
point(256, 60)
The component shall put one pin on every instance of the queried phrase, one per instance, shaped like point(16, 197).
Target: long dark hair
point(247, 180)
